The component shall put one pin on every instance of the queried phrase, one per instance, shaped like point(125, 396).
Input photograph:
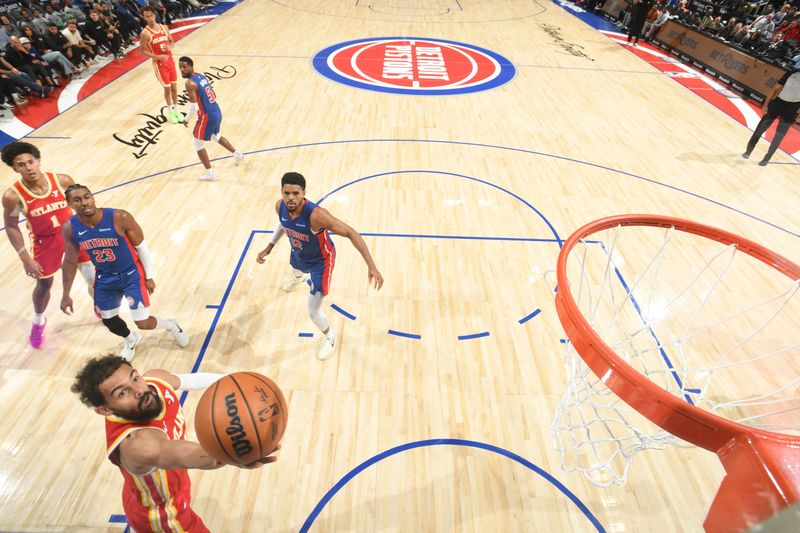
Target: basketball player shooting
point(146, 439)
point(313, 255)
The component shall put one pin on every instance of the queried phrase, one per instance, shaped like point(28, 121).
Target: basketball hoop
point(663, 314)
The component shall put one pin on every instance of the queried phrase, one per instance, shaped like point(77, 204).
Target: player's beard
point(152, 410)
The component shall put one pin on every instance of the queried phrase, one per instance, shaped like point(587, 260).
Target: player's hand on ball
point(150, 285)
point(375, 278)
point(66, 304)
point(264, 460)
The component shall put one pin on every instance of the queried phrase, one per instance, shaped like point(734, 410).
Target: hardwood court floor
point(576, 137)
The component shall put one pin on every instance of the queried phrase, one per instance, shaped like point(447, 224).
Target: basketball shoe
point(209, 175)
point(128, 351)
point(294, 282)
point(178, 333)
point(37, 335)
point(238, 157)
point(326, 348)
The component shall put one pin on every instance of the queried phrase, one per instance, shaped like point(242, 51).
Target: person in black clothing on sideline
point(639, 11)
point(782, 103)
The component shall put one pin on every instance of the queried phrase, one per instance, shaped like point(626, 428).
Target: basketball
point(241, 418)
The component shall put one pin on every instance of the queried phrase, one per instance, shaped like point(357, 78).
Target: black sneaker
point(746, 155)
point(763, 162)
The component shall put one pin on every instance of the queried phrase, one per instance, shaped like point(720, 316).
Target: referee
point(783, 103)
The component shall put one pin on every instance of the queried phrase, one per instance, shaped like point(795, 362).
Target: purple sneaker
point(37, 334)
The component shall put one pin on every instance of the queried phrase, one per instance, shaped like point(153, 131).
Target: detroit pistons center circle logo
point(411, 65)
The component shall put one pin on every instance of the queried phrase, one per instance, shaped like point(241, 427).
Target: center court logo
point(411, 65)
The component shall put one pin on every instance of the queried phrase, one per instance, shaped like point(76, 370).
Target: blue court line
point(118, 519)
point(44, 137)
point(342, 311)
point(459, 5)
point(531, 315)
point(563, 341)
point(693, 391)
point(406, 335)
point(221, 307)
point(303, 334)
point(471, 144)
point(449, 442)
point(459, 237)
point(212, 306)
point(473, 336)
point(638, 309)
point(452, 174)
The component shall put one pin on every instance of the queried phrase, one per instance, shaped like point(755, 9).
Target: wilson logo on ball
point(235, 430)
point(412, 65)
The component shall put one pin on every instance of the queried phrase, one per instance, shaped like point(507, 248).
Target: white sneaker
point(179, 333)
point(209, 175)
point(238, 157)
point(294, 282)
point(128, 351)
point(326, 348)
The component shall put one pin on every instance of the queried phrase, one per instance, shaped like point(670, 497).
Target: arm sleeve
point(147, 261)
point(198, 380)
point(278, 233)
point(192, 112)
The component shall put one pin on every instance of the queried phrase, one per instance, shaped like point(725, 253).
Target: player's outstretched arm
point(69, 266)
point(146, 449)
point(11, 220)
point(322, 219)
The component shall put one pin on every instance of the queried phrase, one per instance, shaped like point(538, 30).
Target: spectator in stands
point(8, 28)
point(681, 12)
point(56, 40)
point(38, 22)
point(37, 46)
point(102, 35)
point(20, 79)
point(73, 12)
point(662, 19)
point(79, 43)
point(792, 32)
point(739, 34)
point(707, 18)
point(650, 19)
point(129, 25)
point(54, 17)
point(21, 59)
point(780, 15)
point(728, 29)
point(783, 103)
point(764, 25)
point(25, 19)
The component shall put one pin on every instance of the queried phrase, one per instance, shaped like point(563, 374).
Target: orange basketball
point(241, 418)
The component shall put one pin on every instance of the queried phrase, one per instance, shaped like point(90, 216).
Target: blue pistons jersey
point(206, 98)
point(119, 272)
point(109, 251)
point(312, 252)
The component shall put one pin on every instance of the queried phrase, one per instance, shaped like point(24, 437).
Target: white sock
point(131, 339)
point(173, 108)
point(331, 334)
point(38, 319)
point(164, 323)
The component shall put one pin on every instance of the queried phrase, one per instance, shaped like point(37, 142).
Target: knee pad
point(198, 144)
point(216, 137)
point(117, 326)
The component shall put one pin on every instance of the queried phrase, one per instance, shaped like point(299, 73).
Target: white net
point(705, 321)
